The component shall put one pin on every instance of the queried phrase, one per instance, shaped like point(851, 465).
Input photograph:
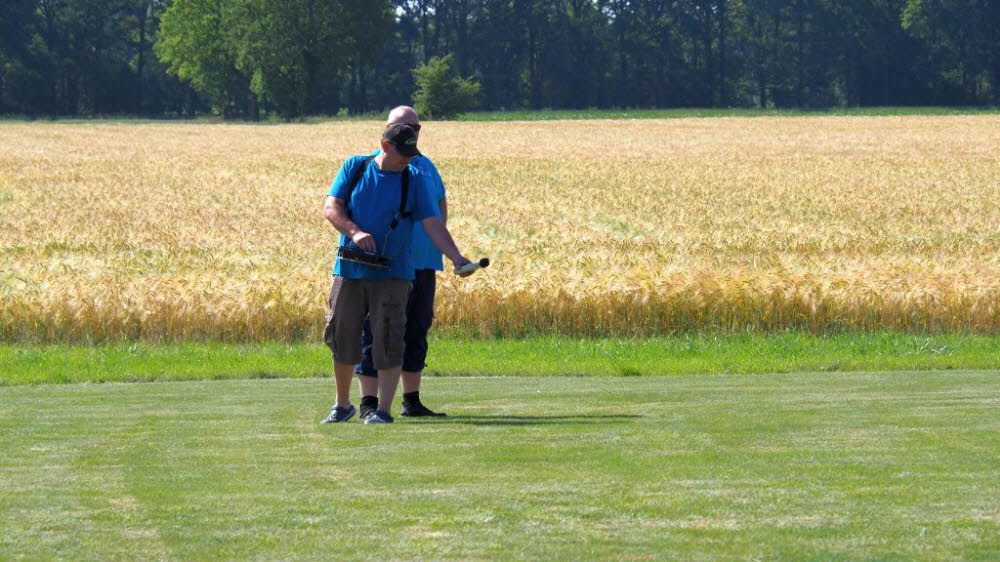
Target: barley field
point(165, 231)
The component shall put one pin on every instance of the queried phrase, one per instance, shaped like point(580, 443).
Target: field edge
point(539, 356)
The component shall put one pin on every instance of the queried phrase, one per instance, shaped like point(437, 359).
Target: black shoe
point(368, 406)
point(418, 410)
point(340, 414)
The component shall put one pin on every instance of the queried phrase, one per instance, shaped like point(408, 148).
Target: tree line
point(247, 58)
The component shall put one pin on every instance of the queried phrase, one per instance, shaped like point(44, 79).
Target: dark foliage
point(245, 58)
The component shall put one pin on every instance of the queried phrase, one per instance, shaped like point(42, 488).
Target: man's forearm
point(439, 234)
point(345, 225)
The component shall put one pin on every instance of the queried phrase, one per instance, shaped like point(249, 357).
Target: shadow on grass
point(529, 420)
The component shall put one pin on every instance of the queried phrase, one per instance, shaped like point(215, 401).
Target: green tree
point(196, 42)
point(441, 93)
point(16, 18)
point(368, 37)
point(962, 36)
point(295, 50)
point(16, 21)
point(140, 19)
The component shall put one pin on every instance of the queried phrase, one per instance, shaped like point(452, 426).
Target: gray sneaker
point(340, 414)
point(378, 416)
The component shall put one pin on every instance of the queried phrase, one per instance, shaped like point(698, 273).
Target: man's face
point(391, 150)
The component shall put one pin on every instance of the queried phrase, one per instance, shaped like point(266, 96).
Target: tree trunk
point(996, 80)
point(363, 87)
point(723, 87)
point(143, 13)
point(533, 77)
point(800, 52)
point(424, 39)
point(855, 89)
point(462, 35)
point(710, 74)
point(435, 43)
point(761, 63)
point(622, 67)
point(51, 41)
point(774, 47)
point(3, 88)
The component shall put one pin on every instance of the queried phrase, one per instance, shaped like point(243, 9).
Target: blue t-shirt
point(425, 254)
point(372, 206)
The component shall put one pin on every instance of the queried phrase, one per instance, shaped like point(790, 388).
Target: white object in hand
point(472, 266)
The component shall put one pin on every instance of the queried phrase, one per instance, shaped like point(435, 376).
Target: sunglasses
point(414, 126)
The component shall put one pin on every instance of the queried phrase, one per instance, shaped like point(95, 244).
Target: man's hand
point(364, 241)
point(459, 262)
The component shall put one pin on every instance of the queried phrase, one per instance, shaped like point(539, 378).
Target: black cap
point(403, 137)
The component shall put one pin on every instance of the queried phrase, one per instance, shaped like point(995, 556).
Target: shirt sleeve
point(435, 178)
point(421, 198)
point(341, 184)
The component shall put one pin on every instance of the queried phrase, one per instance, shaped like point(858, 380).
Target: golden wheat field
point(180, 230)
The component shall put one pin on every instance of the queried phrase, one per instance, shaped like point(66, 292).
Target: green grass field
point(823, 466)
point(542, 356)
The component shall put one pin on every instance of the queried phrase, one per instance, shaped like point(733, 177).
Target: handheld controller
point(472, 266)
point(360, 256)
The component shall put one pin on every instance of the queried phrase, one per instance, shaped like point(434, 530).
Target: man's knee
point(342, 332)
point(388, 323)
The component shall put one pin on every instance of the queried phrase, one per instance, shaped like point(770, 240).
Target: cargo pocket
point(328, 333)
point(328, 324)
point(394, 331)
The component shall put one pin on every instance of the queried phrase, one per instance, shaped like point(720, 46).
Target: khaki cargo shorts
point(384, 302)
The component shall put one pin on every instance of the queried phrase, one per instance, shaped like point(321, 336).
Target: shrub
point(441, 93)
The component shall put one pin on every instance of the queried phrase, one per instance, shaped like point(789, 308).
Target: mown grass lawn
point(833, 465)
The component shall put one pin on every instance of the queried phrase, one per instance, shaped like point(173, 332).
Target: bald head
point(403, 114)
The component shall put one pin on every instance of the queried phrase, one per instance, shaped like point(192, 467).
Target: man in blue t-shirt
point(374, 203)
point(420, 304)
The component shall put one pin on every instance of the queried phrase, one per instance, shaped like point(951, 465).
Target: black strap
point(355, 179)
point(403, 193)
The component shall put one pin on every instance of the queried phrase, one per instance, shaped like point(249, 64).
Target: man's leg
point(367, 374)
point(342, 410)
point(343, 373)
point(411, 381)
point(342, 335)
point(388, 380)
point(419, 316)
point(369, 395)
point(388, 323)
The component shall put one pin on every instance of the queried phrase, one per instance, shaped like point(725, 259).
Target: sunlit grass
point(531, 357)
point(827, 466)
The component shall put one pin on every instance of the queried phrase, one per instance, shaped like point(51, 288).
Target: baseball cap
point(403, 137)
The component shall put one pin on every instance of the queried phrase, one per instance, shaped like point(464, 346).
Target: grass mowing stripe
point(733, 353)
point(833, 465)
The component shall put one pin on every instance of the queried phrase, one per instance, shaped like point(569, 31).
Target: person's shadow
point(504, 419)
